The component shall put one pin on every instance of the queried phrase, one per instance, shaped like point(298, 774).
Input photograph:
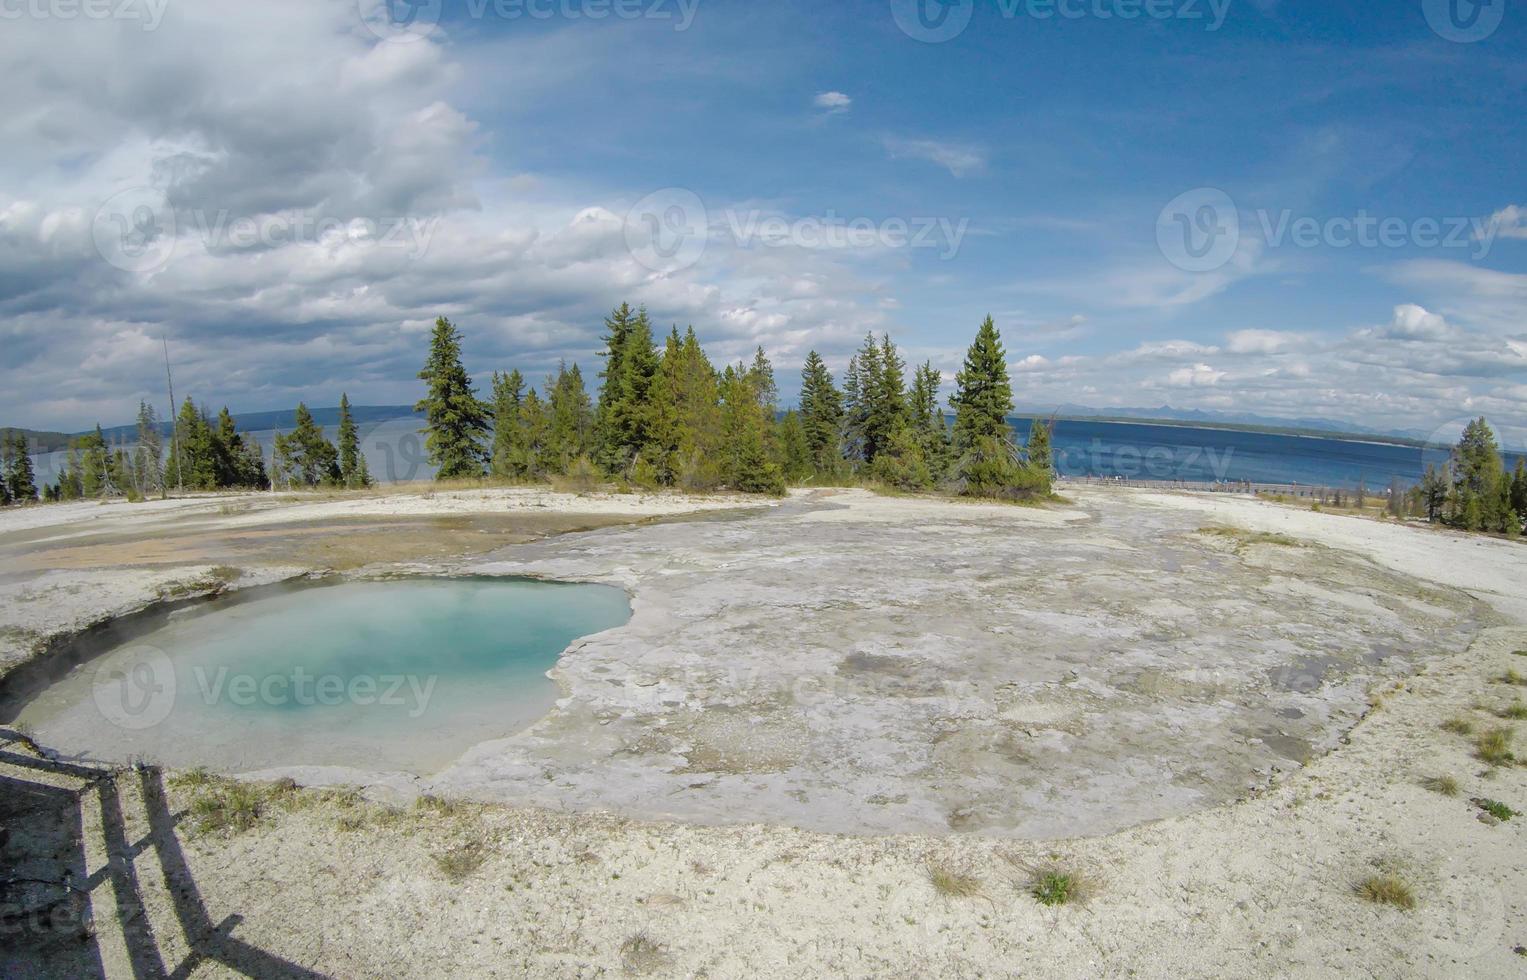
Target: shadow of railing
point(206, 940)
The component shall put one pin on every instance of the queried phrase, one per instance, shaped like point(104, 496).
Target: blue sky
point(498, 167)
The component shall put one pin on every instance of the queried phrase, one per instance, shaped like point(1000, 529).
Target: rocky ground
point(1139, 688)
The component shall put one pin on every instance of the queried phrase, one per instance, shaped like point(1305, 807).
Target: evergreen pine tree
point(662, 453)
point(1519, 491)
point(351, 462)
point(20, 482)
point(748, 467)
point(95, 465)
point(283, 461)
point(315, 460)
point(761, 377)
point(628, 393)
point(1434, 493)
point(544, 456)
point(794, 451)
point(1479, 473)
point(572, 418)
point(511, 458)
point(928, 424)
point(455, 421)
point(983, 396)
point(821, 415)
point(1041, 455)
point(876, 404)
point(121, 471)
point(7, 465)
point(853, 411)
point(618, 324)
point(195, 465)
point(70, 482)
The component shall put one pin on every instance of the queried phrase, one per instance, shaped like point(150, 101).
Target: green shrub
point(582, 476)
point(902, 464)
point(1496, 809)
point(698, 473)
point(1052, 884)
point(993, 468)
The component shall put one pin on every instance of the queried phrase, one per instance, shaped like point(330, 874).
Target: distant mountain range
point(257, 421)
point(1211, 417)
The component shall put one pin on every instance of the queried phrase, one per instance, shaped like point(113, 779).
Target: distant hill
point(48, 442)
point(39, 441)
point(1166, 413)
point(284, 420)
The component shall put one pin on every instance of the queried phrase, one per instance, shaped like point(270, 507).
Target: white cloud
point(1261, 341)
point(833, 103)
point(1197, 376)
point(960, 159)
point(302, 113)
point(1508, 222)
point(1412, 322)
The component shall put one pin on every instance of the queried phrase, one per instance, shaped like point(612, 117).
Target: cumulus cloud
point(1412, 322)
point(832, 103)
point(325, 199)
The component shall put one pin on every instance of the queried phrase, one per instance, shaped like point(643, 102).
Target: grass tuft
point(953, 884)
point(1513, 678)
point(1386, 889)
point(228, 806)
point(191, 778)
point(642, 954)
point(1458, 725)
point(1517, 711)
point(459, 863)
point(437, 806)
point(1446, 785)
point(1494, 746)
point(1054, 884)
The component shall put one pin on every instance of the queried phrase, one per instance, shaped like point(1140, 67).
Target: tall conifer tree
point(455, 421)
point(983, 395)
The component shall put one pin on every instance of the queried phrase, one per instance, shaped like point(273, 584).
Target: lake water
point(1137, 450)
point(399, 675)
point(1145, 451)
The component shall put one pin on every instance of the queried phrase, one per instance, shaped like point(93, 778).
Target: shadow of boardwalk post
point(49, 900)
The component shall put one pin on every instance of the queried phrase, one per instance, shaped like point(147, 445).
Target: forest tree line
point(1472, 490)
point(665, 416)
point(204, 454)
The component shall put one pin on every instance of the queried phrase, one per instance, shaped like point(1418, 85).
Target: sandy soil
point(1255, 882)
